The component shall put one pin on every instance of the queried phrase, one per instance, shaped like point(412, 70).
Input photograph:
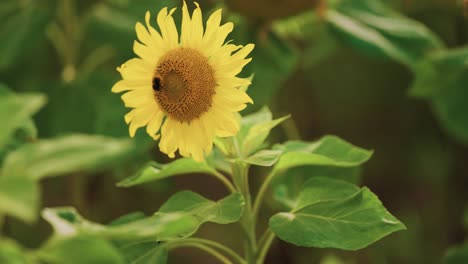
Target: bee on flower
point(184, 87)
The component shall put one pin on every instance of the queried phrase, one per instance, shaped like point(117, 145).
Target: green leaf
point(248, 121)
point(224, 211)
point(440, 71)
point(372, 27)
point(159, 227)
point(257, 134)
point(144, 253)
point(155, 171)
point(11, 252)
point(442, 78)
point(264, 158)
point(19, 197)
point(457, 255)
point(63, 155)
point(334, 214)
point(328, 151)
point(15, 111)
point(81, 249)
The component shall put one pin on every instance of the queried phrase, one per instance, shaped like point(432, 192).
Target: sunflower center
point(184, 84)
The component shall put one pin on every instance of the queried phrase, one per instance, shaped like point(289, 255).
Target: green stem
point(2, 220)
point(262, 192)
point(265, 246)
point(240, 175)
point(218, 246)
point(203, 247)
point(224, 181)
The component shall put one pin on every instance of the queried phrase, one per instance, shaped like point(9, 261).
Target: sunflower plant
point(184, 88)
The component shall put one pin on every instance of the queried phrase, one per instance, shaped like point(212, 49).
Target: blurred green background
point(391, 76)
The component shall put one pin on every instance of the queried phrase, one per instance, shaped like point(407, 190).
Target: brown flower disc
point(184, 84)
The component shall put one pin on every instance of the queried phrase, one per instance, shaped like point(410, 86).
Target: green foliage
point(23, 28)
point(257, 134)
point(328, 151)
point(11, 252)
point(19, 197)
point(264, 158)
point(442, 78)
point(80, 249)
point(155, 171)
point(318, 209)
point(15, 111)
point(457, 255)
point(334, 214)
point(159, 227)
point(372, 27)
point(225, 211)
point(63, 155)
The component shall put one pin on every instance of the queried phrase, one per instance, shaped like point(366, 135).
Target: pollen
point(186, 84)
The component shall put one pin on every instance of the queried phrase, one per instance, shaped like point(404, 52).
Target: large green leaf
point(159, 227)
point(80, 249)
point(15, 111)
point(328, 151)
point(179, 217)
point(334, 214)
point(19, 197)
point(68, 154)
point(372, 27)
point(155, 171)
point(224, 211)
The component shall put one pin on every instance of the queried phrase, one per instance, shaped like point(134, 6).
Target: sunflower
point(185, 90)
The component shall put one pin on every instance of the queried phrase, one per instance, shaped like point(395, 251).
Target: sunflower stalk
point(240, 175)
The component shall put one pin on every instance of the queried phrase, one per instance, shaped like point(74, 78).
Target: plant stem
point(240, 175)
point(218, 246)
point(262, 192)
point(224, 181)
point(203, 247)
point(2, 220)
point(265, 246)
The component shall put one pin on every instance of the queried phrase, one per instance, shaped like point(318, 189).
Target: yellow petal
point(155, 123)
point(129, 116)
point(125, 85)
point(167, 144)
point(142, 33)
point(138, 98)
point(168, 28)
point(145, 53)
point(185, 33)
point(136, 69)
point(212, 25)
point(218, 39)
point(196, 26)
point(232, 99)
